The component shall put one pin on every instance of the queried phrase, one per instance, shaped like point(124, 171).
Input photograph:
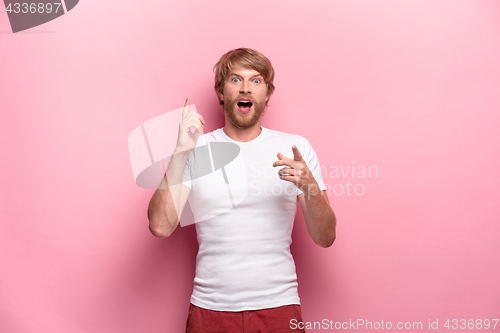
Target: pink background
point(412, 87)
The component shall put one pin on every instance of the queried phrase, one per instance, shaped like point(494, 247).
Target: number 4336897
point(32, 8)
point(470, 324)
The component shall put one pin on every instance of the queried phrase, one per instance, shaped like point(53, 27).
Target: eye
point(235, 79)
point(256, 80)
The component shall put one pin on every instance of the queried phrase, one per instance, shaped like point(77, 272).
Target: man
point(245, 275)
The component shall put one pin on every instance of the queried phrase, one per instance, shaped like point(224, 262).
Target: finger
point(199, 126)
point(195, 115)
point(288, 178)
point(287, 171)
point(195, 129)
point(189, 123)
point(201, 118)
point(185, 111)
point(282, 163)
point(282, 157)
point(297, 156)
point(283, 160)
point(196, 123)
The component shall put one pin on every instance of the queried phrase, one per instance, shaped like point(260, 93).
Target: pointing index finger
point(297, 156)
point(186, 108)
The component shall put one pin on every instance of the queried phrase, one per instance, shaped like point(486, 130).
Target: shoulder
point(284, 135)
point(290, 138)
point(215, 135)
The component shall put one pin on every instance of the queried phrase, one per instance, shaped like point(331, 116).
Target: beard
point(243, 120)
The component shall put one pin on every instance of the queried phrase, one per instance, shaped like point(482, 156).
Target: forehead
point(243, 71)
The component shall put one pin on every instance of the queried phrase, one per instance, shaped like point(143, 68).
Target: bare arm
point(319, 216)
point(167, 203)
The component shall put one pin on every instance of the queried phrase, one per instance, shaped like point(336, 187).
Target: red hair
point(246, 58)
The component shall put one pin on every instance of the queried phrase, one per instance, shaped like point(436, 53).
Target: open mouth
point(244, 105)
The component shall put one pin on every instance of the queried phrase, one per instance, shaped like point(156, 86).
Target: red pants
point(274, 320)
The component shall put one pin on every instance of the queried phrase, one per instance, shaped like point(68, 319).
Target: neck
point(240, 134)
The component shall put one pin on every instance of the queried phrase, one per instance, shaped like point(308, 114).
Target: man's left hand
point(297, 172)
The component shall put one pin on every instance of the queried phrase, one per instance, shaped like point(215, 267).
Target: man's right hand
point(186, 140)
point(167, 203)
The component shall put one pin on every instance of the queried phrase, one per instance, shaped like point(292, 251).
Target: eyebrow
point(241, 76)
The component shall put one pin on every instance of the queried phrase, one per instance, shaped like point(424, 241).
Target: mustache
point(245, 97)
point(237, 98)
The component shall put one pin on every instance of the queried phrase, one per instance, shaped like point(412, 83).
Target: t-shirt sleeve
point(312, 162)
point(190, 164)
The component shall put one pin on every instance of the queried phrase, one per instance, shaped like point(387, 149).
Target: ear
point(268, 95)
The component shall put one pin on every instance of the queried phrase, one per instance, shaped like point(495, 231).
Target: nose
point(245, 87)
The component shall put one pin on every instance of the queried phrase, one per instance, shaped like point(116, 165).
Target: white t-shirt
point(245, 214)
